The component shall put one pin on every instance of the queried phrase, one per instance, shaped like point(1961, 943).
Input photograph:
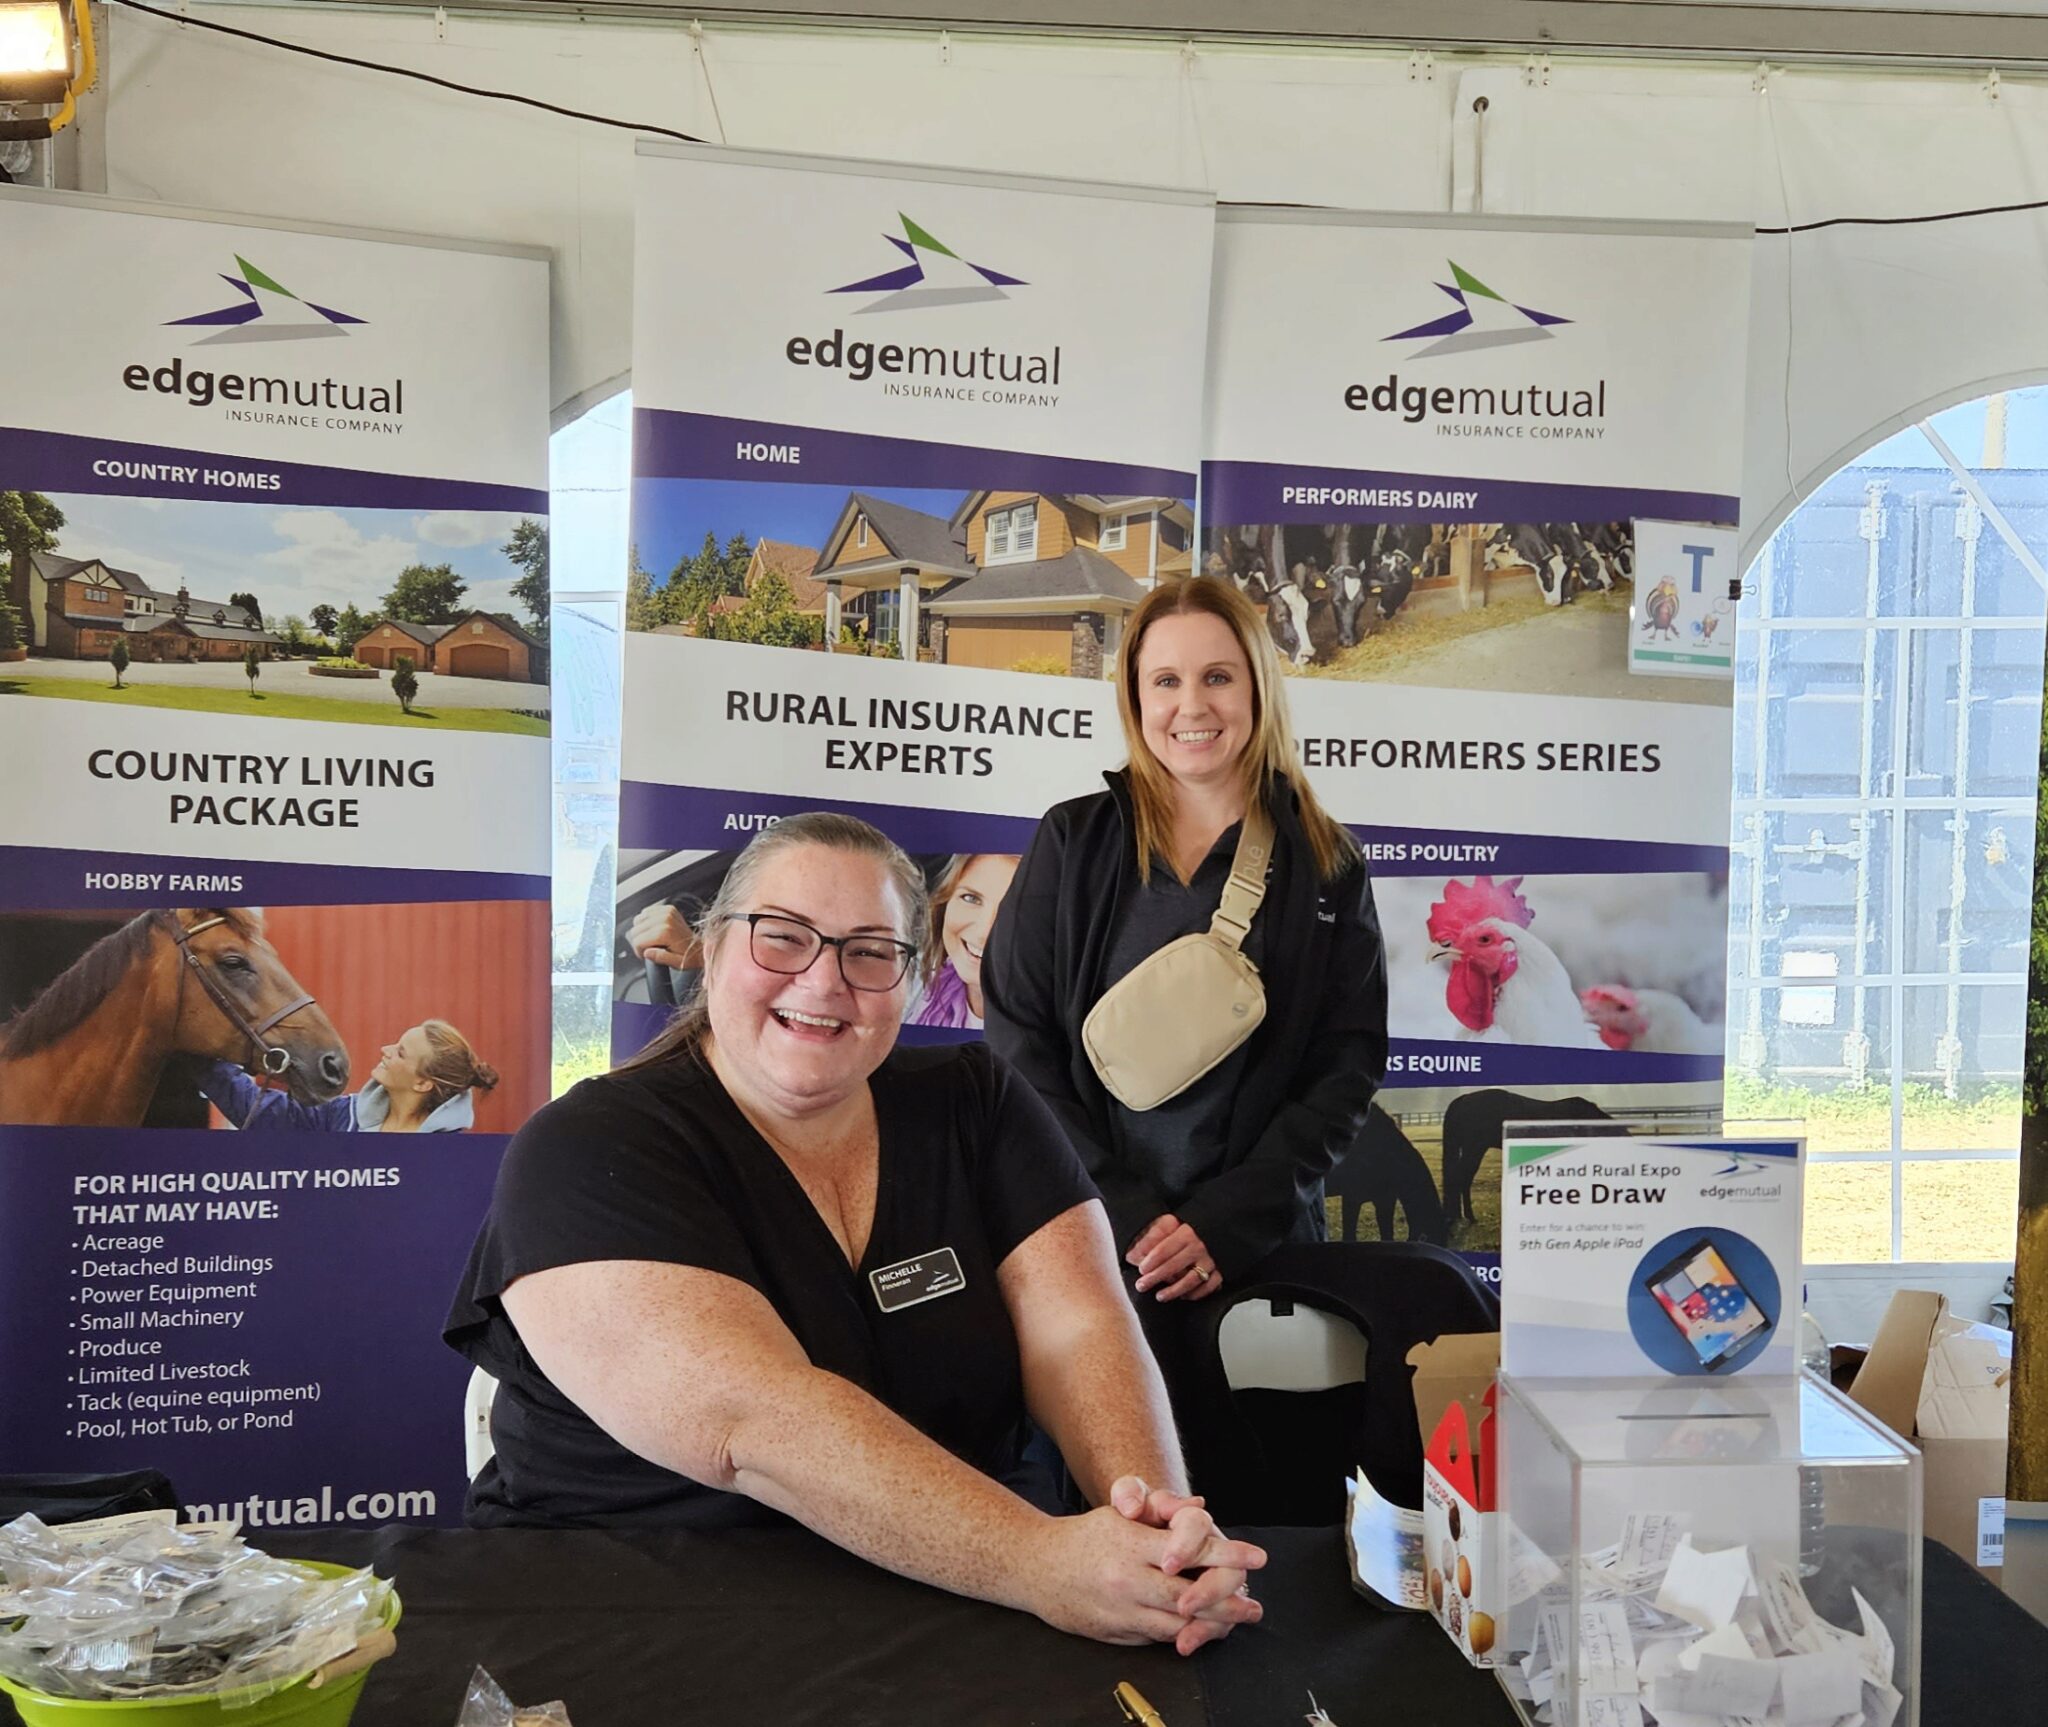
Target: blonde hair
point(684, 1033)
point(452, 1066)
point(1269, 753)
point(942, 890)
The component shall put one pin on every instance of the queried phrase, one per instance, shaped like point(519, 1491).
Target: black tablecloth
point(777, 1626)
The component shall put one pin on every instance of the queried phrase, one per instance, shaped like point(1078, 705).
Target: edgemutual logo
point(1497, 408)
point(267, 311)
point(935, 276)
point(1483, 319)
point(943, 370)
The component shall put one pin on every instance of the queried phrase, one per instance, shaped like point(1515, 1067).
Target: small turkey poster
point(1684, 617)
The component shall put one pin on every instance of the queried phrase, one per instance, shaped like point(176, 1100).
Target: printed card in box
point(1460, 1543)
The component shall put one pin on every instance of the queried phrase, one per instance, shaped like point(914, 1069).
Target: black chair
point(1282, 1457)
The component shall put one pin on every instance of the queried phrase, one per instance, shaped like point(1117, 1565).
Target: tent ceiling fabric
point(2004, 33)
point(1854, 330)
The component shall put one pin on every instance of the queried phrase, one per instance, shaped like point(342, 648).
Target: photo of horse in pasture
point(1428, 1164)
point(1531, 608)
point(363, 1018)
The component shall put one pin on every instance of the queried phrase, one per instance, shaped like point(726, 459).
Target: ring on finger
point(1203, 1273)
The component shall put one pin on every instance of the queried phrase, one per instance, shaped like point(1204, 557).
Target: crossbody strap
point(1247, 884)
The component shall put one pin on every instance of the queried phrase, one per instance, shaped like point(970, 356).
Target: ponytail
point(452, 1066)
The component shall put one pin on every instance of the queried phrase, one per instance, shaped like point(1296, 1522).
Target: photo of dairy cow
point(1540, 608)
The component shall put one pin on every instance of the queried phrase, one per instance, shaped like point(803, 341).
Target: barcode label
point(1991, 1531)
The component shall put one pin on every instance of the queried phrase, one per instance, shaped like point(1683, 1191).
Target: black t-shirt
point(659, 1164)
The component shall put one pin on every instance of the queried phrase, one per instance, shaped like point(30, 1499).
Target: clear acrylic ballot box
point(1678, 1554)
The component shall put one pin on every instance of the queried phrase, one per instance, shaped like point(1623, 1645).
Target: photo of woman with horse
point(90, 1048)
point(421, 1084)
point(294, 1017)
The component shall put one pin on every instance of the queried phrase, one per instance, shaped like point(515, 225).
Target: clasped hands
point(1151, 1567)
point(1174, 1263)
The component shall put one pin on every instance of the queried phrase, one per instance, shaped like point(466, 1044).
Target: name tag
point(925, 1278)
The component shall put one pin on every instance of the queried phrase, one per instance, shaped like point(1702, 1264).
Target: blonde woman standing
point(1203, 1185)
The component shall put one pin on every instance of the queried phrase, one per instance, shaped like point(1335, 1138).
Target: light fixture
point(35, 51)
point(39, 41)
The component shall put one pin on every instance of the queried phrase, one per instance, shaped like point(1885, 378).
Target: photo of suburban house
point(476, 645)
point(79, 607)
point(1029, 580)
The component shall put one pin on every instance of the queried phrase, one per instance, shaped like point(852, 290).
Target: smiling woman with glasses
point(775, 1265)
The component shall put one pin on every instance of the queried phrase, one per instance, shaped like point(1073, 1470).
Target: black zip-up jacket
point(1314, 1063)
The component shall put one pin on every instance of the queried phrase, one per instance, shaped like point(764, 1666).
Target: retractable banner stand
point(1483, 479)
point(909, 447)
point(274, 863)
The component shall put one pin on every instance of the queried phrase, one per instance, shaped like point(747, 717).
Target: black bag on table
point(78, 1498)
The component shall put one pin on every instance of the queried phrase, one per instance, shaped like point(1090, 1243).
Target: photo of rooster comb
point(1463, 906)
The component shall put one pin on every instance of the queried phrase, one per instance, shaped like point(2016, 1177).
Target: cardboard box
point(1454, 1393)
point(1946, 1385)
point(1384, 1541)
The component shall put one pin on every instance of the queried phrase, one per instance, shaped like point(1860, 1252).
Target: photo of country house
point(1001, 580)
point(475, 645)
point(375, 617)
point(87, 605)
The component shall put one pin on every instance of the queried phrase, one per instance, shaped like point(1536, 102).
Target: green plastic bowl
point(330, 1706)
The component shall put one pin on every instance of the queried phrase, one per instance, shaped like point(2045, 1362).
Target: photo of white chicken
point(1653, 1021)
point(1500, 977)
point(1628, 963)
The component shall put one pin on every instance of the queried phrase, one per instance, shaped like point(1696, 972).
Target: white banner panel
point(208, 787)
point(281, 347)
point(274, 690)
point(1041, 317)
point(937, 430)
point(1429, 442)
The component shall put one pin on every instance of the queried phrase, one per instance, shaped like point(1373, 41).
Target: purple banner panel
point(50, 878)
point(696, 818)
point(1237, 493)
point(62, 462)
point(256, 1315)
point(1431, 852)
point(1428, 1061)
point(673, 446)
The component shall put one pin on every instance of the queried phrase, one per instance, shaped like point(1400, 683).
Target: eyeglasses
point(790, 946)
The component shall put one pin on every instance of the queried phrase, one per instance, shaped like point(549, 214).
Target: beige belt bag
point(1173, 1017)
